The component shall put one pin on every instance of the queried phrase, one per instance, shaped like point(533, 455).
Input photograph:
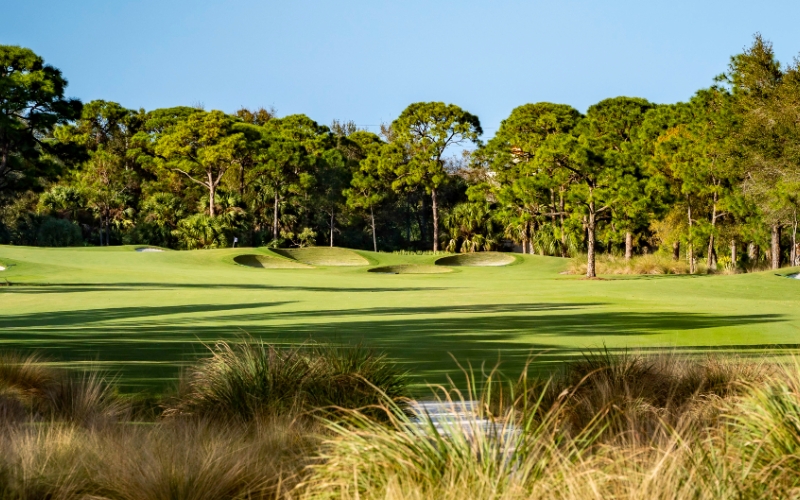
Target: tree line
point(714, 178)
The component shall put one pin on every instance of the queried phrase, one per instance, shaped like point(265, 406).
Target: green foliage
point(32, 105)
point(52, 232)
point(716, 173)
point(471, 228)
point(201, 231)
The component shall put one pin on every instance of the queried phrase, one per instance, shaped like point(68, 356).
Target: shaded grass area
point(163, 333)
point(145, 315)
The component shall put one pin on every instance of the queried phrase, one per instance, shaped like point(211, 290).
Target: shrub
point(251, 378)
point(637, 394)
point(641, 264)
point(31, 390)
point(54, 232)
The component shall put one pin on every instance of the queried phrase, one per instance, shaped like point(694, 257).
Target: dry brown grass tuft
point(642, 264)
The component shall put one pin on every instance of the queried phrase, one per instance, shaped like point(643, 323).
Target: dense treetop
point(710, 177)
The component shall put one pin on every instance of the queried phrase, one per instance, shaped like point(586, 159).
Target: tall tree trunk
point(775, 247)
point(553, 216)
point(526, 238)
point(676, 250)
point(275, 217)
point(561, 222)
point(435, 206)
point(211, 200)
point(628, 245)
point(711, 261)
point(590, 234)
point(332, 222)
point(734, 254)
point(692, 263)
point(372, 221)
point(795, 256)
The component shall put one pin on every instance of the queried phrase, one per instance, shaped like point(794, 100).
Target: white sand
point(149, 250)
point(2, 268)
point(795, 276)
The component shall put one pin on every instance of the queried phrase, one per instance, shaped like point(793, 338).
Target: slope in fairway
point(268, 262)
point(143, 314)
point(323, 256)
point(477, 259)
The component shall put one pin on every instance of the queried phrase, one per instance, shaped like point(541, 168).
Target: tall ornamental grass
point(251, 378)
point(291, 423)
point(655, 263)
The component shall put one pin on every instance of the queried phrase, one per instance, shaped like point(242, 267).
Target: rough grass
point(653, 264)
point(410, 269)
point(477, 259)
point(30, 390)
point(720, 428)
point(143, 316)
point(250, 379)
point(323, 256)
point(186, 459)
point(605, 427)
point(268, 262)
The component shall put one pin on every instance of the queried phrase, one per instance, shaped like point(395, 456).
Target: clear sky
point(366, 60)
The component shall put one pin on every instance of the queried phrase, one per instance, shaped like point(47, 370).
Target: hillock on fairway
point(411, 269)
point(145, 314)
point(477, 259)
point(323, 256)
point(268, 262)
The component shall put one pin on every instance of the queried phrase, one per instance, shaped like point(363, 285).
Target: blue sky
point(365, 61)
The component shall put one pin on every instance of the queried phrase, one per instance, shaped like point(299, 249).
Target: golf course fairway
point(143, 315)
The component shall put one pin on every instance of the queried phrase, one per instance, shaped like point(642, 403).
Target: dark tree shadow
point(148, 349)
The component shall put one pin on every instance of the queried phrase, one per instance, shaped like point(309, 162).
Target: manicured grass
point(477, 259)
point(145, 314)
point(268, 262)
point(323, 256)
point(411, 269)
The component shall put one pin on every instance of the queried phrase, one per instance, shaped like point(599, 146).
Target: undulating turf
point(411, 269)
point(144, 314)
point(477, 259)
point(323, 256)
point(268, 262)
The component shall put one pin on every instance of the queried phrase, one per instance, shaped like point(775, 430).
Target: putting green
point(324, 256)
point(411, 269)
point(477, 259)
point(144, 315)
point(268, 262)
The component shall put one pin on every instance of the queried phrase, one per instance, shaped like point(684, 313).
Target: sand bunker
point(410, 269)
point(2, 268)
point(795, 276)
point(323, 256)
point(267, 262)
point(149, 249)
point(477, 259)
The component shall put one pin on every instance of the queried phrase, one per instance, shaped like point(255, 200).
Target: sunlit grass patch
point(268, 262)
point(410, 269)
point(323, 256)
point(477, 259)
